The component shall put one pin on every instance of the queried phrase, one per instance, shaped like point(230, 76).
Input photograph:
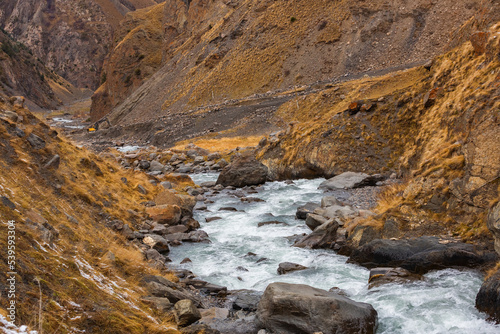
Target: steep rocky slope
point(21, 73)
point(437, 127)
point(71, 37)
point(134, 57)
point(216, 51)
point(62, 200)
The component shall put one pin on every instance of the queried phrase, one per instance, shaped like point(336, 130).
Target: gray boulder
point(295, 308)
point(155, 166)
point(287, 267)
point(313, 221)
point(350, 180)
point(186, 313)
point(244, 171)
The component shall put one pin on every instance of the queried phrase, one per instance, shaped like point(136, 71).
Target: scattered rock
point(156, 242)
point(36, 142)
point(186, 260)
point(228, 208)
point(479, 40)
point(350, 180)
point(323, 236)
point(380, 276)
point(161, 304)
point(246, 300)
point(297, 308)
point(186, 313)
point(141, 189)
point(420, 255)
point(273, 222)
point(165, 214)
point(313, 221)
point(156, 166)
point(329, 201)
point(53, 163)
point(303, 210)
point(287, 267)
point(488, 298)
point(244, 171)
point(166, 185)
point(211, 219)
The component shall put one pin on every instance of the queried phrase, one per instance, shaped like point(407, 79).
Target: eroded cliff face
point(215, 51)
point(437, 126)
point(21, 73)
point(71, 37)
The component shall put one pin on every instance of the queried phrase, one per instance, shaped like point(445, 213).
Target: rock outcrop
point(296, 308)
point(421, 255)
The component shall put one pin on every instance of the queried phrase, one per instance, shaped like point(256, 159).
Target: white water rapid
point(442, 303)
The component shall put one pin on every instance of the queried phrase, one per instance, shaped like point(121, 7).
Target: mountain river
point(442, 303)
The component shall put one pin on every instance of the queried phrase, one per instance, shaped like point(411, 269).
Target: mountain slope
point(63, 201)
point(215, 51)
point(70, 37)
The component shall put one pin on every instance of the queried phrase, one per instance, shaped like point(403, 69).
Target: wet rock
point(176, 229)
point(206, 287)
point(165, 214)
point(380, 276)
point(350, 180)
point(157, 242)
point(207, 184)
point(211, 219)
point(228, 208)
point(186, 313)
point(246, 300)
point(324, 236)
point(273, 222)
point(36, 142)
point(186, 260)
point(297, 308)
point(287, 267)
point(190, 223)
point(420, 255)
point(303, 210)
point(244, 171)
point(488, 298)
point(313, 221)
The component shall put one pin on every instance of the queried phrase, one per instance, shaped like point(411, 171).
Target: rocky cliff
point(435, 126)
point(21, 73)
point(71, 37)
point(216, 51)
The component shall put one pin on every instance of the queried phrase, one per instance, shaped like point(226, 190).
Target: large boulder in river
point(420, 255)
point(287, 267)
point(324, 236)
point(350, 180)
point(295, 308)
point(488, 298)
point(244, 171)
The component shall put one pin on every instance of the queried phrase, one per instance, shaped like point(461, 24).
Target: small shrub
point(293, 19)
point(137, 71)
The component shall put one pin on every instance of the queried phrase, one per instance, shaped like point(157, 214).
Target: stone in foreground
point(186, 313)
point(296, 308)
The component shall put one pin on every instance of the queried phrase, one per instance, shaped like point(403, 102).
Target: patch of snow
point(6, 327)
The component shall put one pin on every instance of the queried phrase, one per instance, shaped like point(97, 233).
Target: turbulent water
point(442, 303)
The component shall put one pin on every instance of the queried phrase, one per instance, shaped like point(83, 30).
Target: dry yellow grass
point(77, 200)
point(222, 145)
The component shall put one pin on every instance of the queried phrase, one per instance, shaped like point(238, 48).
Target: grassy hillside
point(85, 275)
